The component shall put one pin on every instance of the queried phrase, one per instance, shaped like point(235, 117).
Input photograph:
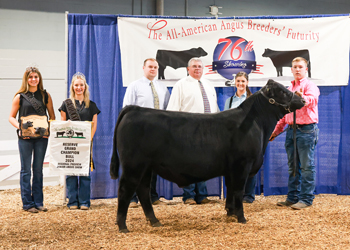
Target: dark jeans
point(249, 191)
point(154, 194)
point(301, 187)
point(32, 195)
point(197, 191)
point(78, 190)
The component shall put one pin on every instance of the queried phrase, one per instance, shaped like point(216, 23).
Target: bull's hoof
point(124, 231)
point(157, 224)
point(242, 220)
point(230, 213)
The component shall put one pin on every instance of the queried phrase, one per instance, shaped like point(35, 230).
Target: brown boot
point(133, 204)
point(42, 209)
point(284, 203)
point(32, 210)
point(190, 201)
point(207, 201)
point(159, 203)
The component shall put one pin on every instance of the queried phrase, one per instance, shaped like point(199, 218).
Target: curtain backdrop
point(93, 49)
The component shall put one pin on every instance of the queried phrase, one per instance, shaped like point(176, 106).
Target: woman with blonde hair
point(31, 102)
point(79, 107)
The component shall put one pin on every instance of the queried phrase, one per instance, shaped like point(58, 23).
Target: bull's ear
point(270, 81)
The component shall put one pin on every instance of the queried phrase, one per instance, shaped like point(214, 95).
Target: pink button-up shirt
point(309, 113)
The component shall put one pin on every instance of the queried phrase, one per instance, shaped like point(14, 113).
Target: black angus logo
point(69, 133)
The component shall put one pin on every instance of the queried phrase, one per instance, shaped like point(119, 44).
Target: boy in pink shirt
point(301, 187)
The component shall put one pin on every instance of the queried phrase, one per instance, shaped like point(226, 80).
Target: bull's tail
point(114, 166)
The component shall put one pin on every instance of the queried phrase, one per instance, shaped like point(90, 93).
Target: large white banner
point(69, 146)
point(263, 48)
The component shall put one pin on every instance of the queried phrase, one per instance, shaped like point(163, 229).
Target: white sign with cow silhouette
point(69, 146)
point(261, 47)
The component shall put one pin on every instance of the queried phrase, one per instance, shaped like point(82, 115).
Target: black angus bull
point(79, 134)
point(27, 125)
point(61, 133)
point(39, 130)
point(282, 59)
point(176, 59)
point(186, 148)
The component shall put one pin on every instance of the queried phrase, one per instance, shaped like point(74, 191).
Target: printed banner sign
point(69, 146)
point(263, 48)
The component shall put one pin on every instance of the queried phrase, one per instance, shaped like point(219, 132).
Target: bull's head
point(279, 95)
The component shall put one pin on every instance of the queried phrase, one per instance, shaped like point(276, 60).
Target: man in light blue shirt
point(140, 92)
point(149, 93)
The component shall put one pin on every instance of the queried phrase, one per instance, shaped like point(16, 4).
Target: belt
point(300, 125)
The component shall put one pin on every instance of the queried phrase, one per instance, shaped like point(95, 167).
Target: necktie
point(155, 96)
point(205, 99)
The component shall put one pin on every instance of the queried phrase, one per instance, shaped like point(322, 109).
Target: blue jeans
point(301, 187)
point(78, 190)
point(197, 191)
point(154, 194)
point(32, 195)
point(249, 191)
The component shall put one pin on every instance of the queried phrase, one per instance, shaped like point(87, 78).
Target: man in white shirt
point(195, 95)
point(150, 93)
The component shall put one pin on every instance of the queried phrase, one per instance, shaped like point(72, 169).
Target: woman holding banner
point(242, 93)
point(31, 102)
point(79, 107)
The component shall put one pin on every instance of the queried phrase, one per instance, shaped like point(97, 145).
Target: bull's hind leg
point(143, 192)
point(125, 193)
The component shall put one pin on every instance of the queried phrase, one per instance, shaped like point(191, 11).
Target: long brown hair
point(245, 75)
point(25, 86)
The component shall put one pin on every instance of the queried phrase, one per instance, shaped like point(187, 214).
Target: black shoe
point(247, 201)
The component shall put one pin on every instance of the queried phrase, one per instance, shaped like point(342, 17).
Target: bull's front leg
point(234, 201)
point(238, 206)
point(234, 206)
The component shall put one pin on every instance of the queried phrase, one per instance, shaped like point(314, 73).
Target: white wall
point(30, 37)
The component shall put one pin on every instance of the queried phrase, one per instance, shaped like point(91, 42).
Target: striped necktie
point(205, 99)
point(155, 96)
